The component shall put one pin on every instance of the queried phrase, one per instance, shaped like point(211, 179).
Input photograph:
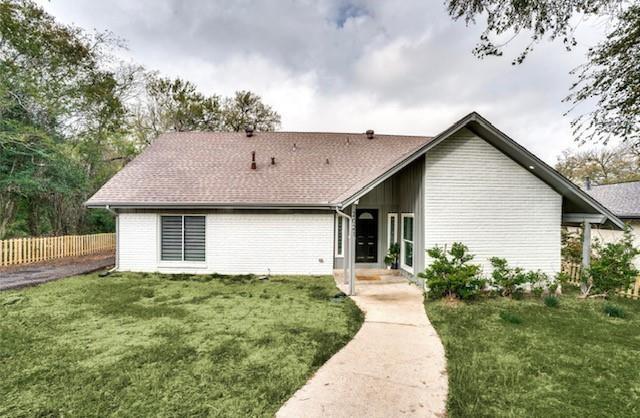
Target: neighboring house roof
point(623, 199)
point(323, 170)
point(214, 168)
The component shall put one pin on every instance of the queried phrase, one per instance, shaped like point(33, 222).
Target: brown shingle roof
point(202, 168)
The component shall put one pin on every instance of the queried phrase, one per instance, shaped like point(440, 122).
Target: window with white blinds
point(182, 238)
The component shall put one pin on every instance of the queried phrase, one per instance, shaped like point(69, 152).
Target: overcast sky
point(393, 66)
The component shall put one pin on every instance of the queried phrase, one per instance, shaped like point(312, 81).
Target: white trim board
point(392, 215)
point(403, 216)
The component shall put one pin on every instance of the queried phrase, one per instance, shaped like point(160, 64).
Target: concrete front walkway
point(394, 367)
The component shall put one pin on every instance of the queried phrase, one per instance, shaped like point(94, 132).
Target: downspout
point(352, 247)
point(346, 254)
point(115, 267)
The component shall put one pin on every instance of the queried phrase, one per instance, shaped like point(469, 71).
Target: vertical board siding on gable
point(476, 195)
point(401, 193)
point(382, 197)
point(237, 243)
point(410, 196)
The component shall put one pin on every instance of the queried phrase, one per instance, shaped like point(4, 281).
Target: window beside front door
point(406, 247)
point(182, 238)
point(392, 229)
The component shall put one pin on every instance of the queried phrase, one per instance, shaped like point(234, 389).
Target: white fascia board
point(578, 218)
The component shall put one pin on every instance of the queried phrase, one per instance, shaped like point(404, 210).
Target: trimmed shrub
point(450, 273)
point(537, 292)
point(539, 282)
point(562, 277)
point(613, 311)
point(513, 281)
point(506, 278)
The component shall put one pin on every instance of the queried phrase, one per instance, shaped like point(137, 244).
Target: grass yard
point(572, 360)
point(153, 345)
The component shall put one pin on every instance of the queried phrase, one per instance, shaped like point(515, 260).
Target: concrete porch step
point(373, 276)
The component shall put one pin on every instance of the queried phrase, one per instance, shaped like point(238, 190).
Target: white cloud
point(334, 65)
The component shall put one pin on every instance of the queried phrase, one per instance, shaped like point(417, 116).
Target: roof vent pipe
point(370, 134)
point(587, 183)
point(253, 160)
point(273, 160)
point(249, 131)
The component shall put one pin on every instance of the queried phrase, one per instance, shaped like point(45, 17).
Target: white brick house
point(308, 203)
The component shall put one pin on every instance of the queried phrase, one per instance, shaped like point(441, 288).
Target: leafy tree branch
point(607, 85)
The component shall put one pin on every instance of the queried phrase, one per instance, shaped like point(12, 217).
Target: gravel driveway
point(34, 274)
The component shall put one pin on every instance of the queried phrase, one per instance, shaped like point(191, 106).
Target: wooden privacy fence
point(31, 250)
point(573, 271)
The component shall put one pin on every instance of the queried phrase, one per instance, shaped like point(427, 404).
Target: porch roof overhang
point(575, 200)
point(575, 219)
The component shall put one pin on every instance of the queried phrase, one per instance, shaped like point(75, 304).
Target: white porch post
point(584, 219)
point(352, 250)
point(586, 245)
point(586, 250)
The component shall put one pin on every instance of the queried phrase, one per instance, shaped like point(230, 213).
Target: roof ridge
point(290, 132)
point(615, 184)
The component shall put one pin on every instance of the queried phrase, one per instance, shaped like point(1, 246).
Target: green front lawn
point(150, 345)
point(570, 361)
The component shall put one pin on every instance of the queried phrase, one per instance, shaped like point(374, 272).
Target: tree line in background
point(604, 165)
point(71, 116)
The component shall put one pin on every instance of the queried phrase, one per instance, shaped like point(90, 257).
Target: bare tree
point(602, 165)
